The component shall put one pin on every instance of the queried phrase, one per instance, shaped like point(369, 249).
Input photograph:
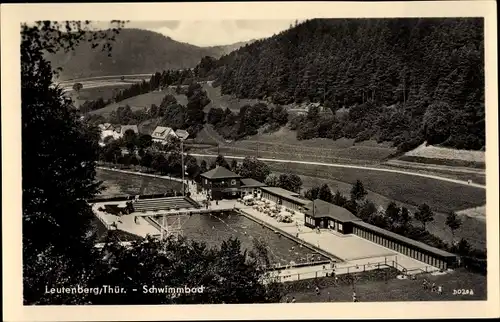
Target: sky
point(211, 32)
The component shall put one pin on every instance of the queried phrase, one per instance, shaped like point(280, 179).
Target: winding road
point(360, 167)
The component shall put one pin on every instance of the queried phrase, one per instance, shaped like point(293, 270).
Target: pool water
point(213, 229)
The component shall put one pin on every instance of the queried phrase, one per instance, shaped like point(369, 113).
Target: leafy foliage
point(290, 181)
point(424, 214)
point(358, 191)
point(248, 121)
point(253, 168)
point(59, 151)
point(401, 80)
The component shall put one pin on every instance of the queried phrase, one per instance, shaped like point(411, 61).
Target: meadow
point(440, 153)
point(104, 92)
point(441, 196)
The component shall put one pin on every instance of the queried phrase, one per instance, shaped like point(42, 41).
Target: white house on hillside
point(161, 134)
point(116, 132)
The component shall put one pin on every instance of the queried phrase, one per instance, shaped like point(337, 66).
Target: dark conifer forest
point(401, 80)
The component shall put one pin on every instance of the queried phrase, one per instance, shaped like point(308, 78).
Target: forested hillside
point(400, 80)
point(135, 51)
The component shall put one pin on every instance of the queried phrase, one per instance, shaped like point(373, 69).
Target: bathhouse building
point(326, 215)
point(220, 183)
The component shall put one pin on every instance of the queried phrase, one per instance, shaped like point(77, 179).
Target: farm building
point(161, 134)
point(323, 214)
point(284, 197)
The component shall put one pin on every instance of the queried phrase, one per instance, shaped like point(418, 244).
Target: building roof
point(162, 132)
point(326, 209)
point(125, 128)
point(405, 240)
point(289, 195)
point(251, 183)
point(220, 173)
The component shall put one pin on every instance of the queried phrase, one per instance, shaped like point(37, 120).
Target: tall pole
point(182, 161)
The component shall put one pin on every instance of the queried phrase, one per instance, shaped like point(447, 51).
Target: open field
point(445, 156)
point(379, 290)
point(141, 101)
point(136, 103)
point(446, 162)
point(441, 196)
point(105, 92)
point(473, 228)
point(283, 144)
point(108, 78)
point(478, 213)
point(119, 184)
point(225, 101)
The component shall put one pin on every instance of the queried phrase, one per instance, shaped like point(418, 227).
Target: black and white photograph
point(188, 156)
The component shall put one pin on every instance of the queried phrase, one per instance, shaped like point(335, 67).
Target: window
point(233, 182)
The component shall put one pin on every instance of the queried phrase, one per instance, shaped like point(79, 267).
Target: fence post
point(316, 273)
point(364, 267)
point(298, 277)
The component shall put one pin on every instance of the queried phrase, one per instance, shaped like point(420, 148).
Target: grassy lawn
point(140, 102)
point(225, 101)
point(118, 184)
point(379, 290)
point(104, 92)
point(441, 154)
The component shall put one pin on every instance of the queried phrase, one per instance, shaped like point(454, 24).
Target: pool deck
point(355, 252)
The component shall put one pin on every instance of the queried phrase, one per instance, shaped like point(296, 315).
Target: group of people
point(432, 287)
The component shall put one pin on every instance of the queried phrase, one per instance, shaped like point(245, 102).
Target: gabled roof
point(251, 183)
point(162, 132)
point(326, 209)
point(289, 195)
point(125, 128)
point(220, 173)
